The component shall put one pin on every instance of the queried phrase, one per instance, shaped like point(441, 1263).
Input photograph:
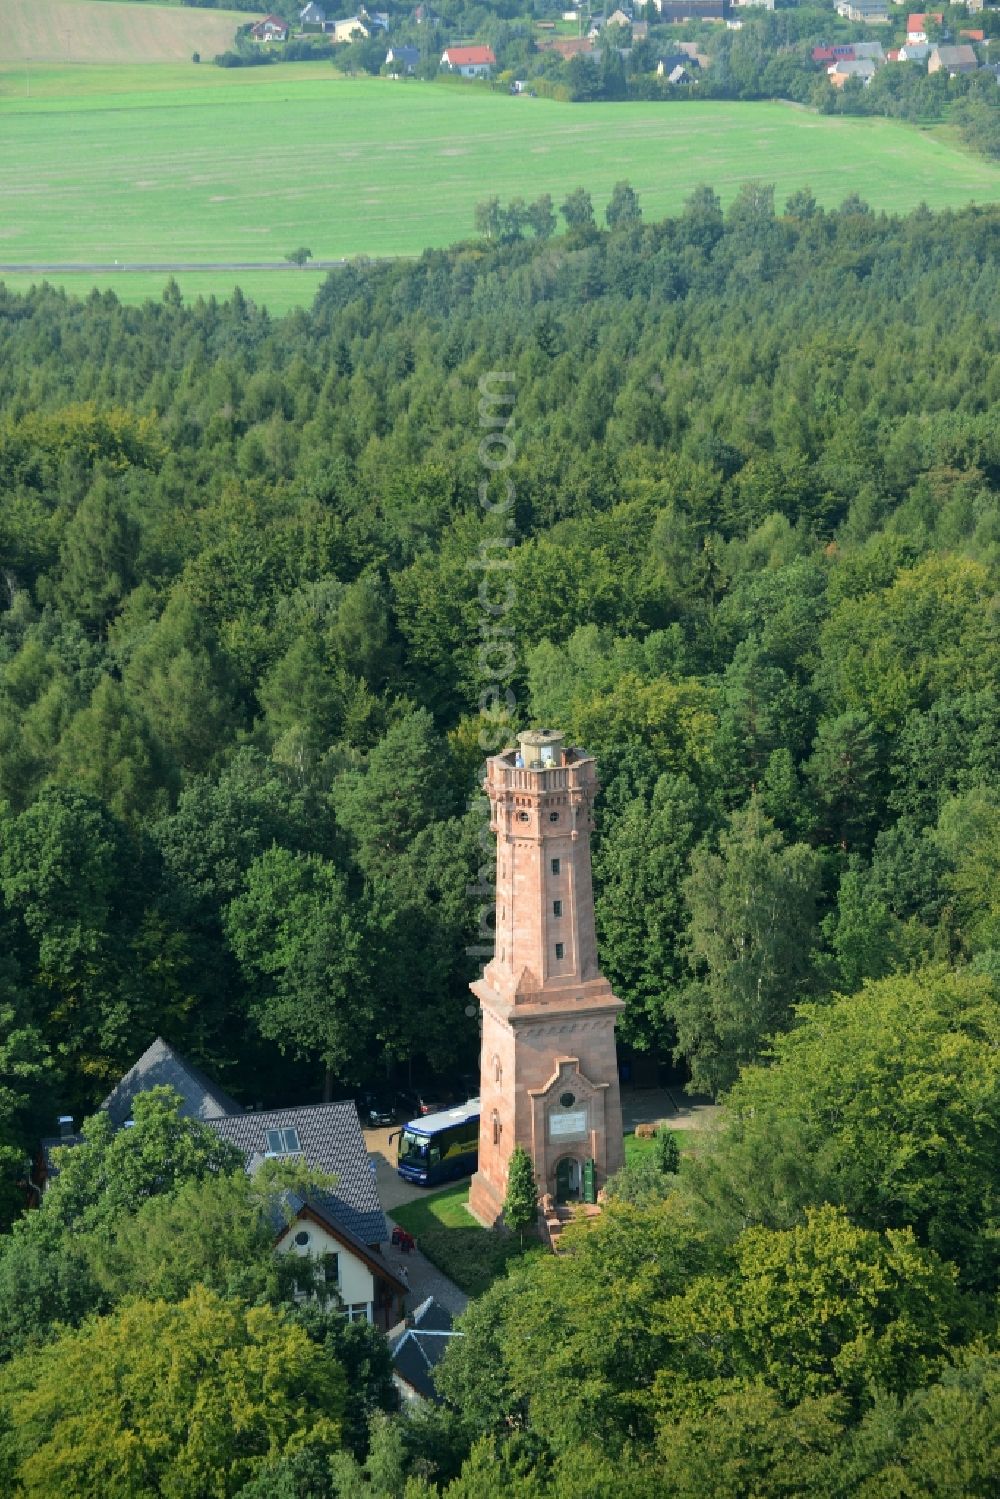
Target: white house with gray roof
point(313, 1228)
point(344, 1219)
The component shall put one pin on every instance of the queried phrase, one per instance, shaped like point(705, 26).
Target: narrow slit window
point(557, 908)
point(560, 949)
point(555, 866)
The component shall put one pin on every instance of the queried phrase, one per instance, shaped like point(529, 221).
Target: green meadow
point(169, 163)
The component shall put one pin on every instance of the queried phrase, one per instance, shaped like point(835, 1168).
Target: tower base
point(484, 1203)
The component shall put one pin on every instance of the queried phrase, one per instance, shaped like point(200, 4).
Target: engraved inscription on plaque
point(568, 1126)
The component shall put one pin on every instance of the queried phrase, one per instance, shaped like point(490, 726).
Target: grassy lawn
point(472, 1256)
point(168, 163)
point(636, 1150)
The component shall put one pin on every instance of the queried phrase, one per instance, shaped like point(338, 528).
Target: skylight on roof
point(283, 1142)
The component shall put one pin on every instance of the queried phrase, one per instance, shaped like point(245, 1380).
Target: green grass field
point(472, 1256)
point(183, 163)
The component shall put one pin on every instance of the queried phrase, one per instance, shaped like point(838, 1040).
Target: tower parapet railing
point(516, 778)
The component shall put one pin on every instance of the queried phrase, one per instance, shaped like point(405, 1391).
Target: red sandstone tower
point(549, 1067)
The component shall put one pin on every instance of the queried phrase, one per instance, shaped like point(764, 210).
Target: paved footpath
point(424, 1279)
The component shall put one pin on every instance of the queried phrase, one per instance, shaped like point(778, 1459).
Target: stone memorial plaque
point(568, 1126)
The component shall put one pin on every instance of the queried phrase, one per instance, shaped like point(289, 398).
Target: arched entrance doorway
point(568, 1179)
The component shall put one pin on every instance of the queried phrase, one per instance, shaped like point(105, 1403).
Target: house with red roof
point(271, 29)
point(916, 24)
point(471, 62)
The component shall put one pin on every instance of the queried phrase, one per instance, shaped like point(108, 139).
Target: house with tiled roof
point(861, 67)
point(672, 61)
point(953, 60)
point(349, 30)
point(402, 59)
point(417, 1347)
point(313, 1228)
point(325, 1137)
point(471, 62)
point(916, 24)
point(344, 1219)
point(161, 1066)
point(271, 29)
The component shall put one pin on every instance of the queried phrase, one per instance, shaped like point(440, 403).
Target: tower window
point(555, 866)
point(559, 949)
point(523, 817)
point(557, 908)
point(497, 1128)
point(553, 817)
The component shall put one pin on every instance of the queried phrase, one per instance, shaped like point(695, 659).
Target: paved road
point(393, 1191)
point(667, 1106)
point(41, 267)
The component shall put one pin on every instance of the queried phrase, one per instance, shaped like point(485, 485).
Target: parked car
point(379, 1107)
point(431, 1098)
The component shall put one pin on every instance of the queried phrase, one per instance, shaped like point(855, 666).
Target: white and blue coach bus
point(440, 1147)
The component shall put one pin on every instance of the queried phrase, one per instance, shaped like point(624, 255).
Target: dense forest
point(255, 577)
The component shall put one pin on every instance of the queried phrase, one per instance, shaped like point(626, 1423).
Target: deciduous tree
point(190, 1399)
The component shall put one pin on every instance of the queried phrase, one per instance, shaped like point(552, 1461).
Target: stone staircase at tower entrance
point(553, 1219)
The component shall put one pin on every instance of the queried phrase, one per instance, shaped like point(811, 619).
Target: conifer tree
point(520, 1206)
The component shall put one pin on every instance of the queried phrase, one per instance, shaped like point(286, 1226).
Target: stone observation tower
point(549, 1069)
